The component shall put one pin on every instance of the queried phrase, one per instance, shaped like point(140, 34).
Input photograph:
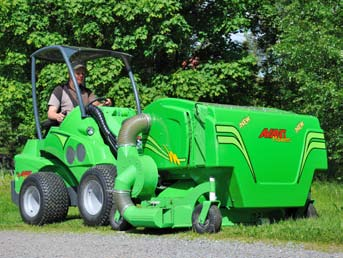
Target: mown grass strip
point(323, 233)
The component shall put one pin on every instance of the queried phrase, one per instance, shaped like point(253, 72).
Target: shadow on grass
point(73, 217)
point(158, 231)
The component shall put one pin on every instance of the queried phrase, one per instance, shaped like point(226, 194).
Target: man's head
point(79, 69)
point(78, 64)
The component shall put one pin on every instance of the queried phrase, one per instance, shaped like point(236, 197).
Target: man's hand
point(54, 115)
point(60, 117)
point(108, 102)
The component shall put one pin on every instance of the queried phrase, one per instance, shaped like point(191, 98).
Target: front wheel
point(212, 223)
point(95, 195)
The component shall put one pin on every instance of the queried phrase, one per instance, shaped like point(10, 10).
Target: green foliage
point(220, 82)
point(10, 119)
point(9, 212)
point(295, 45)
point(308, 71)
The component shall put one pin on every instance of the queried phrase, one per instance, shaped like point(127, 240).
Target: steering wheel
point(97, 99)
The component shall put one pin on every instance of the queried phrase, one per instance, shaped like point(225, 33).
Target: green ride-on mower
point(175, 164)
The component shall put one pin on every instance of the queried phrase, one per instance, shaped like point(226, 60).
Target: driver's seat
point(46, 125)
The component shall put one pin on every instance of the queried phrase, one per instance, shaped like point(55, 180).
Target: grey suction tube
point(127, 138)
point(131, 128)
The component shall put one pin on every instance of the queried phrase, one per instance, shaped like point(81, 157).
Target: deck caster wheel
point(212, 223)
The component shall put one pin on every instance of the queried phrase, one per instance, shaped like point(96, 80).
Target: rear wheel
point(43, 199)
point(310, 211)
point(95, 195)
point(307, 211)
point(212, 223)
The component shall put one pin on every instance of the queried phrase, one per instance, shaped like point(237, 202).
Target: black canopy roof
point(58, 53)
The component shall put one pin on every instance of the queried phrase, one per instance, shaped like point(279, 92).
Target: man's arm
point(53, 115)
point(106, 102)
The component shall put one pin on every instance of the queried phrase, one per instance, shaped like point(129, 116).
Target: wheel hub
point(93, 197)
point(32, 202)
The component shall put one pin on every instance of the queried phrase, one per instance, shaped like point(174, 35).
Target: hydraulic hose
point(109, 138)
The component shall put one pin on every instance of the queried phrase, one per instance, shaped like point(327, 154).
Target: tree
point(304, 64)
point(291, 58)
point(159, 34)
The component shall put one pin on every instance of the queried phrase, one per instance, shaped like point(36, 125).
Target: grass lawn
point(324, 233)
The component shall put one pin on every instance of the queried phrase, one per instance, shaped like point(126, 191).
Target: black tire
point(310, 211)
point(213, 220)
point(43, 199)
point(95, 194)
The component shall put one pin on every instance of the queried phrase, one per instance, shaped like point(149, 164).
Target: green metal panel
point(173, 207)
point(248, 161)
point(29, 161)
point(261, 157)
point(174, 128)
point(74, 146)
